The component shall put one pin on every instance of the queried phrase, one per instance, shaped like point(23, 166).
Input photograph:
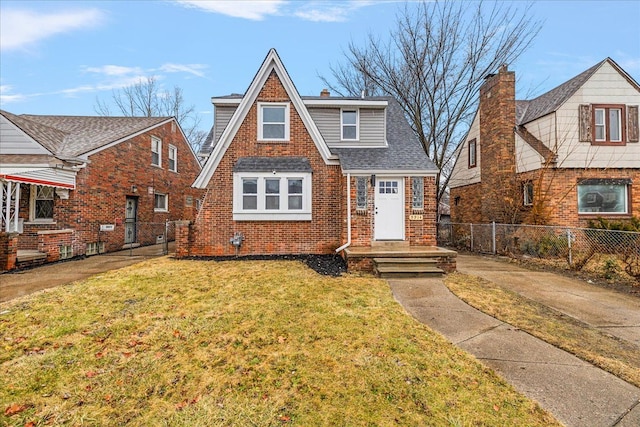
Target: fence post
point(493, 236)
point(569, 246)
point(471, 232)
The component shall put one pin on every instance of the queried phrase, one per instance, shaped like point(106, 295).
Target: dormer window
point(273, 121)
point(349, 125)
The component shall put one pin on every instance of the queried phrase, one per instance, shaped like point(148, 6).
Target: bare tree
point(145, 98)
point(434, 64)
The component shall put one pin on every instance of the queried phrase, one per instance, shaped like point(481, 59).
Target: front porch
point(399, 259)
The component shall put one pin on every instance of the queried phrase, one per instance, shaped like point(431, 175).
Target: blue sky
point(58, 57)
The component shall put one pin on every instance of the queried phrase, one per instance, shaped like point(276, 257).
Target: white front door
point(389, 209)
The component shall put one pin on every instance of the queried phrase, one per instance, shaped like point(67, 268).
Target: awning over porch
point(48, 176)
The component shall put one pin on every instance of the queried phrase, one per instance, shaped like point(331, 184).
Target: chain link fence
point(576, 246)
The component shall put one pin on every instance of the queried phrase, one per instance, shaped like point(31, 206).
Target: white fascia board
point(133, 135)
point(345, 103)
point(390, 172)
point(271, 62)
point(226, 101)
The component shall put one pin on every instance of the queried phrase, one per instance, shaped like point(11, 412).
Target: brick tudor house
point(564, 158)
point(62, 177)
point(312, 175)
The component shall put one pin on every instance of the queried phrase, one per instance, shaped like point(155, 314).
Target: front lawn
point(195, 343)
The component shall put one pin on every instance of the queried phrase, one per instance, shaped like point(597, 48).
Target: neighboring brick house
point(309, 175)
point(564, 158)
point(62, 177)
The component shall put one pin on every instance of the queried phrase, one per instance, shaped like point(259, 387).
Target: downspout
point(346, 245)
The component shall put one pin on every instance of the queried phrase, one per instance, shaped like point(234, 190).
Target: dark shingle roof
point(549, 102)
point(207, 145)
point(403, 153)
point(269, 164)
point(72, 136)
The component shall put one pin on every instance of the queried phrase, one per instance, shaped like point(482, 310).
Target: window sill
point(266, 216)
point(274, 141)
point(609, 143)
point(596, 215)
point(161, 210)
point(156, 166)
point(40, 222)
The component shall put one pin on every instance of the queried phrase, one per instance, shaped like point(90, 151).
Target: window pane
point(614, 125)
point(602, 198)
point(361, 193)
point(417, 190)
point(348, 132)
point(295, 186)
point(273, 114)
point(272, 186)
point(272, 202)
point(600, 133)
point(273, 131)
point(250, 186)
point(295, 202)
point(44, 209)
point(599, 116)
point(249, 202)
point(349, 117)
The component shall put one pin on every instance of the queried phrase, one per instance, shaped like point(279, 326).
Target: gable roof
point(74, 136)
point(527, 111)
point(271, 63)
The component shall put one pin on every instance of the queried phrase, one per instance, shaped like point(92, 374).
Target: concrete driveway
point(614, 312)
point(20, 283)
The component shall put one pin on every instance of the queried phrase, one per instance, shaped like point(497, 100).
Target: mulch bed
point(327, 265)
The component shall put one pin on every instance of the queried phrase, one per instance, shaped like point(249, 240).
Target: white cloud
point(22, 28)
point(7, 97)
point(329, 11)
point(195, 69)
point(255, 10)
point(114, 70)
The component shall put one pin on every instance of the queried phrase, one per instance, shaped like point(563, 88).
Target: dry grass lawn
point(253, 343)
point(614, 355)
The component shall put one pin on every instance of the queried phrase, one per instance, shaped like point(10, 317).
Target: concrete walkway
point(575, 392)
point(20, 283)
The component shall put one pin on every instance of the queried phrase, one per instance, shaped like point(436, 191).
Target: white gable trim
point(272, 62)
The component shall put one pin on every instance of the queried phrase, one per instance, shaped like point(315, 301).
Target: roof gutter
point(346, 245)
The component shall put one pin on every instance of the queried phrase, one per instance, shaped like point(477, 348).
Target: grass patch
point(192, 343)
point(610, 353)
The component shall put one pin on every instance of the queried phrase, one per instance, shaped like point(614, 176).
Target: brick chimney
point(497, 145)
point(325, 93)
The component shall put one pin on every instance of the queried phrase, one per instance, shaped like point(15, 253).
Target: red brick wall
point(50, 242)
point(103, 185)
point(421, 232)
point(466, 204)
point(361, 221)
point(8, 251)
point(559, 190)
point(214, 225)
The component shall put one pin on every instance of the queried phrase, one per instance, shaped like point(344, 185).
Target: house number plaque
point(415, 217)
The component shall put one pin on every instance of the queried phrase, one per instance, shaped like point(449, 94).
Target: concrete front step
point(407, 267)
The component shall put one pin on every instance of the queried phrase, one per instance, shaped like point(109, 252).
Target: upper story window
point(41, 207)
point(608, 123)
point(273, 121)
point(473, 154)
point(603, 196)
point(156, 151)
point(349, 125)
point(173, 158)
point(272, 197)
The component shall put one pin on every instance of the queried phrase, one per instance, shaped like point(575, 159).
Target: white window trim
point(262, 214)
point(174, 149)
point(32, 205)
point(286, 120)
point(166, 202)
point(357, 138)
point(159, 141)
point(526, 201)
point(602, 213)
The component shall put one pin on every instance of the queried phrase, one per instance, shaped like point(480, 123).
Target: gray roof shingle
point(527, 111)
point(72, 136)
point(270, 164)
